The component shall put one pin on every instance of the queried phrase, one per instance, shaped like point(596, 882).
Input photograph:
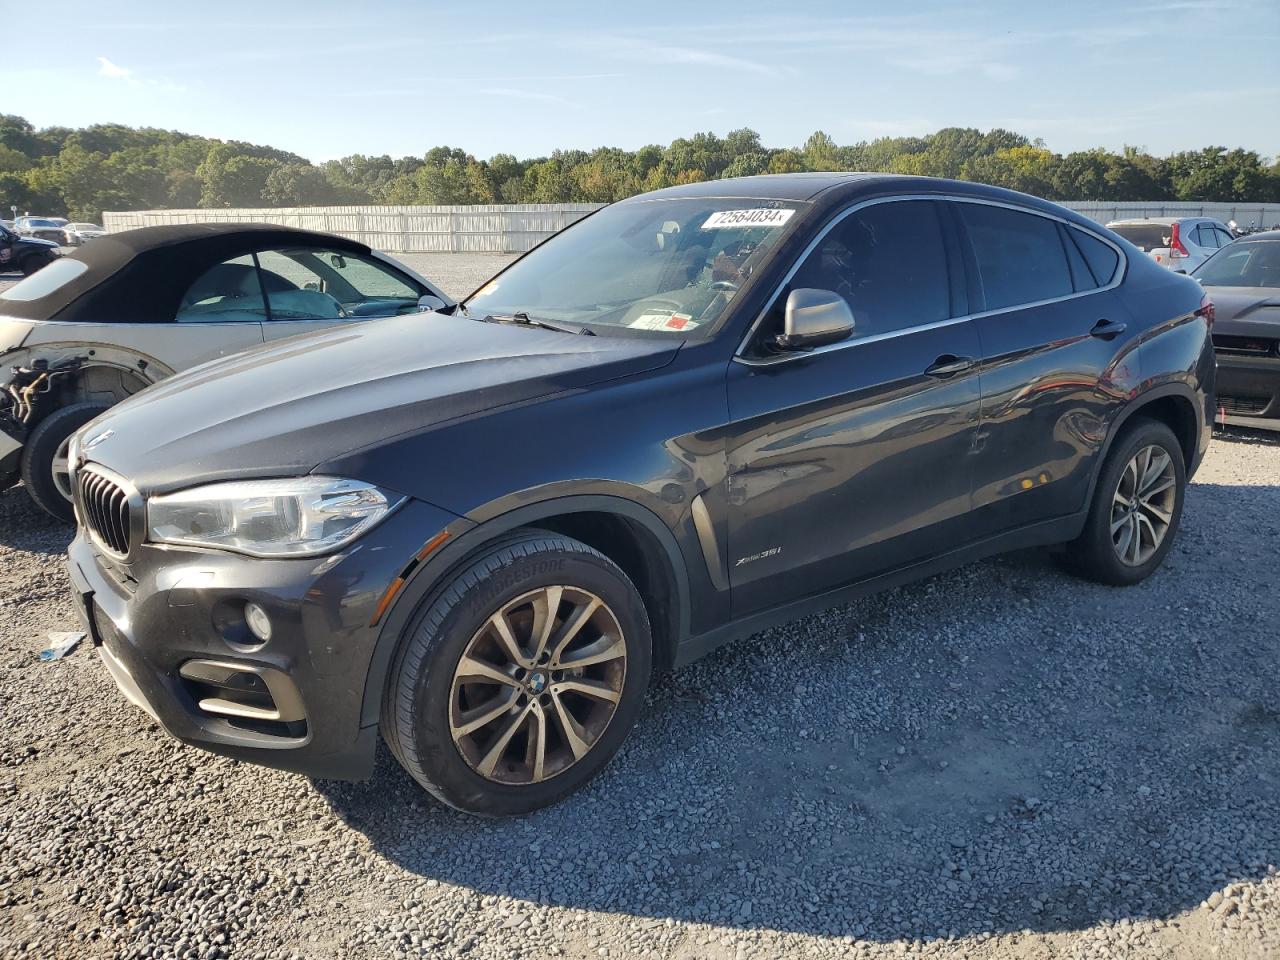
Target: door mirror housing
point(428, 302)
point(815, 318)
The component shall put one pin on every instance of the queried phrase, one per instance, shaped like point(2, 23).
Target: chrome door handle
point(948, 365)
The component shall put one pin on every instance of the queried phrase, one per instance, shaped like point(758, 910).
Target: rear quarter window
point(1102, 258)
point(44, 282)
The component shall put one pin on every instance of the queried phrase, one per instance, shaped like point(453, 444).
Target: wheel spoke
point(1145, 524)
point(1119, 522)
point(545, 607)
point(472, 720)
point(605, 649)
point(508, 639)
point(573, 734)
point(1126, 534)
point(1155, 468)
point(1136, 541)
point(572, 626)
point(471, 667)
point(1160, 487)
point(486, 766)
point(536, 755)
point(592, 688)
point(1161, 515)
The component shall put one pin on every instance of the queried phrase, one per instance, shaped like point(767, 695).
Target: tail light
point(1207, 310)
point(1176, 249)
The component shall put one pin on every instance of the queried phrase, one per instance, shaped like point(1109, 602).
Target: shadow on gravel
point(24, 526)
point(996, 749)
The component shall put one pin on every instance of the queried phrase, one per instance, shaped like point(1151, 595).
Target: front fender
point(466, 536)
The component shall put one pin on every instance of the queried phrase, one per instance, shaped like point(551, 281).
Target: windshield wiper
point(524, 320)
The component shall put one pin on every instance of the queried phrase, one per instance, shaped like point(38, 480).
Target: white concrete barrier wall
point(514, 228)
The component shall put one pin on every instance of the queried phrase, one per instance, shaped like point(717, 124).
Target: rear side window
point(1102, 258)
point(1020, 255)
point(1205, 237)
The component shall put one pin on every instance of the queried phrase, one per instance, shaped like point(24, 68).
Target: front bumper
point(166, 622)
point(1248, 391)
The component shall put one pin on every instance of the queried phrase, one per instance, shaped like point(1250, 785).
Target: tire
point(430, 698)
point(1096, 554)
point(36, 261)
point(43, 447)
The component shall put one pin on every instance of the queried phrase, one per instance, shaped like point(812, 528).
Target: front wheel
point(45, 466)
point(520, 681)
point(1136, 508)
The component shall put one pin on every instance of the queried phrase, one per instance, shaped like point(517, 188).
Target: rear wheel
point(45, 464)
point(1136, 508)
point(520, 681)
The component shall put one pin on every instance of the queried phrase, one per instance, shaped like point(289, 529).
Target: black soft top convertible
point(140, 276)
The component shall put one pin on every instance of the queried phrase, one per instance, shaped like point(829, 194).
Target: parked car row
point(58, 229)
point(478, 530)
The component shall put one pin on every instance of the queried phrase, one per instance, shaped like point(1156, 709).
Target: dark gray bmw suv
point(692, 415)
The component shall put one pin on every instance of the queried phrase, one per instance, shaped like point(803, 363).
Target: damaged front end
point(23, 401)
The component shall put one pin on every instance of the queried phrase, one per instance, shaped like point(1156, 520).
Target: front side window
point(308, 283)
point(647, 267)
point(1020, 255)
point(1255, 264)
point(887, 260)
point(226, 293)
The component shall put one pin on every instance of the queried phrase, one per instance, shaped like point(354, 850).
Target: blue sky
point(327, 79)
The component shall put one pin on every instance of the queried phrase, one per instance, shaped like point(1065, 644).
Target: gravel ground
point(1000, 762)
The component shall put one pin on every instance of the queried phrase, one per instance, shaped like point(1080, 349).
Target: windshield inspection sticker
point(745, 219)
point(663, 321)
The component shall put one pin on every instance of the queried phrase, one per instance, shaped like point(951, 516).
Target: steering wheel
point(724, 286)
point(658, 304)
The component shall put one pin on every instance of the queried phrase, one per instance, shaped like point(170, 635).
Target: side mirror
point(815, 318)
point(428, 302)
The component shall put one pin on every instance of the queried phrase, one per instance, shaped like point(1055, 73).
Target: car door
point(219, 314)
point(310, 289)
point(855, 458)
point(1057, 359)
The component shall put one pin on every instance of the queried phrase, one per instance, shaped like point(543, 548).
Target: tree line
point(82, 172)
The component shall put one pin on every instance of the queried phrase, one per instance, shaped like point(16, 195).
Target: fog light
point(258, 621)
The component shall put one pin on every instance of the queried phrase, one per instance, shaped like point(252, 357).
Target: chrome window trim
point(739, 355)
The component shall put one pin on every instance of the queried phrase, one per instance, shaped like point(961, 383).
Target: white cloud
point(108, 69)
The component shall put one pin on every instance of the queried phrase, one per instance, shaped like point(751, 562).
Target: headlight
point(293, 517)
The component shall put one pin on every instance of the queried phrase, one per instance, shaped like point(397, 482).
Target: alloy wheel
point(537, 685)
point(61, 468)
point(1143, 505)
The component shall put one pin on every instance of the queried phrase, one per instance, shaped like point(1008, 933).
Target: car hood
point(1245, 310)
point(281, 409)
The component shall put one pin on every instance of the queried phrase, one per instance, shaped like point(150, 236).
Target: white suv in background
point(1179, 243)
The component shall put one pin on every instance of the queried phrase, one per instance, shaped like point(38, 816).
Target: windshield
point(1255, 264)
point(1145, 236)
point(669, 267)
point(41, 223)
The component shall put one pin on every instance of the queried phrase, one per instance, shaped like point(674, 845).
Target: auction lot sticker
point(745, 219)
point(663, 321)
